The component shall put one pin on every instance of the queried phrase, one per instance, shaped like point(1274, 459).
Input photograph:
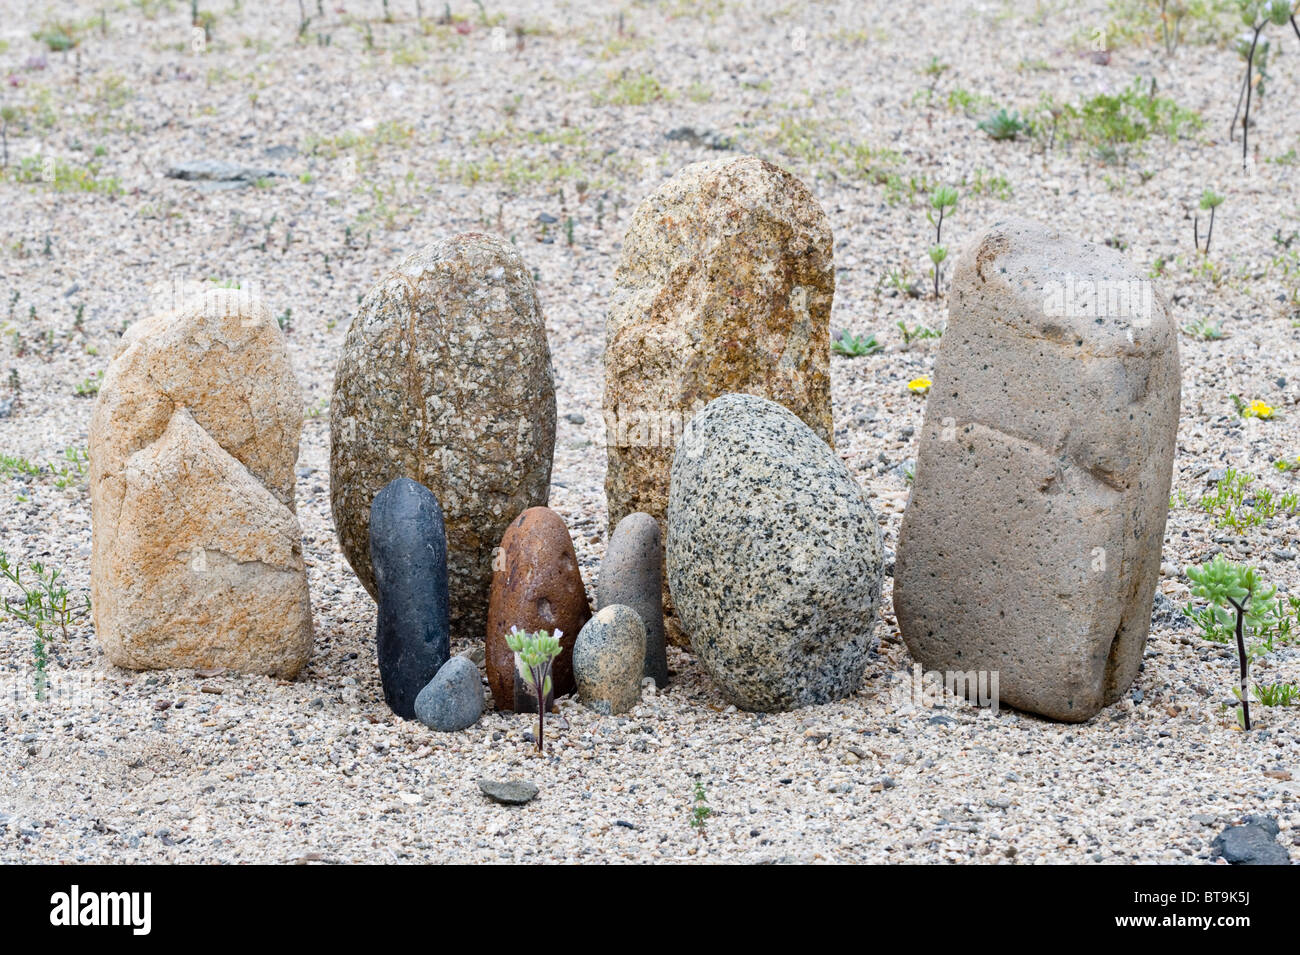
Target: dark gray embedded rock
point(445, 378)
point(704, 138)
point(1254, 843)
point(1167, 615)
point(408, 550)
point(453, 700)
point(774, 556)
point(212, 175)
point(1031, 541)
point(508, 792)
point(632, 574)
point(609, 660)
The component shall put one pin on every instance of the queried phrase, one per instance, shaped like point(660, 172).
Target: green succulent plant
point(1222, 584)
point(535, 653)
point(1003, 125)
point(854, 346)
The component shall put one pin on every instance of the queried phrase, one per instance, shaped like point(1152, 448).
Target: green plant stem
point(938, 233)
point(1245, 116)
point(541, 711)
point(1244, 663)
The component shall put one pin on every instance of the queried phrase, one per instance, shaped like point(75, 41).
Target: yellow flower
point(1257, 409)
point(921, 385)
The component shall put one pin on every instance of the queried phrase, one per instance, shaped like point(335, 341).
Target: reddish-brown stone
point(536, 585)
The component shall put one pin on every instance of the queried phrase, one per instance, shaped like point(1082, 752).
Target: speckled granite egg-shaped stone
point(609, 660)
point(774, 556)
point(445, 378)
point(536, 586)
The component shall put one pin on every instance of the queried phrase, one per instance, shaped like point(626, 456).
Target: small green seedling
point(1277, 694)
point(534, 655)
point(8, 114)
point(700, 810)
point(1003, 125)
point(72, 470)
point(941, 200)
point(855, 346)
point(917, 333)
point(1238, 586)
point(1203, 329)
point(1210, 200)
point(88, 388)
point(1237, 505)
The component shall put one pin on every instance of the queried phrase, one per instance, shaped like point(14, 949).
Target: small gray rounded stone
point(632, 574)
point(453, 700)
point(609, 660)
point(508, 792)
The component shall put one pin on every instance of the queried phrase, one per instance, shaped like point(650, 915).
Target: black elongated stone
point(408, 549)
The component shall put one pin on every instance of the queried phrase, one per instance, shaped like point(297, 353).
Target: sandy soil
point(519, 118)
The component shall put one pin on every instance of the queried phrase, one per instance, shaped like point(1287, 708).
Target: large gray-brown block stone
point(445, 378)
point(774, 557)
point(1031, 542)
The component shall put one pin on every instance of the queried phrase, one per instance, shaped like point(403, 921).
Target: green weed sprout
point(1221, 582)
point(854, 346)
point(941, 200)
point(1210, 200)
point(1204, 329)
point(534, 655)
point(916, 333)
point(700, 810)
point(8, 114)
point(1003, 125)
point(44, 605)
point(1277, 694)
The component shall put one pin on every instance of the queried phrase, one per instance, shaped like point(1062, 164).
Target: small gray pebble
point(509, 792)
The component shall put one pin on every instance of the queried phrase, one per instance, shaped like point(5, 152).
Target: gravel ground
point(390, 134)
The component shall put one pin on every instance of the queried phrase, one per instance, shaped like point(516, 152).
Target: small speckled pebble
point(609, 658)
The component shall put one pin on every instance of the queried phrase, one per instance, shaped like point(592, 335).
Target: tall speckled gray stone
point(445, 378)
point(774, 556)
point(632, 574)
point(609, 660)
point(1031, 543)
